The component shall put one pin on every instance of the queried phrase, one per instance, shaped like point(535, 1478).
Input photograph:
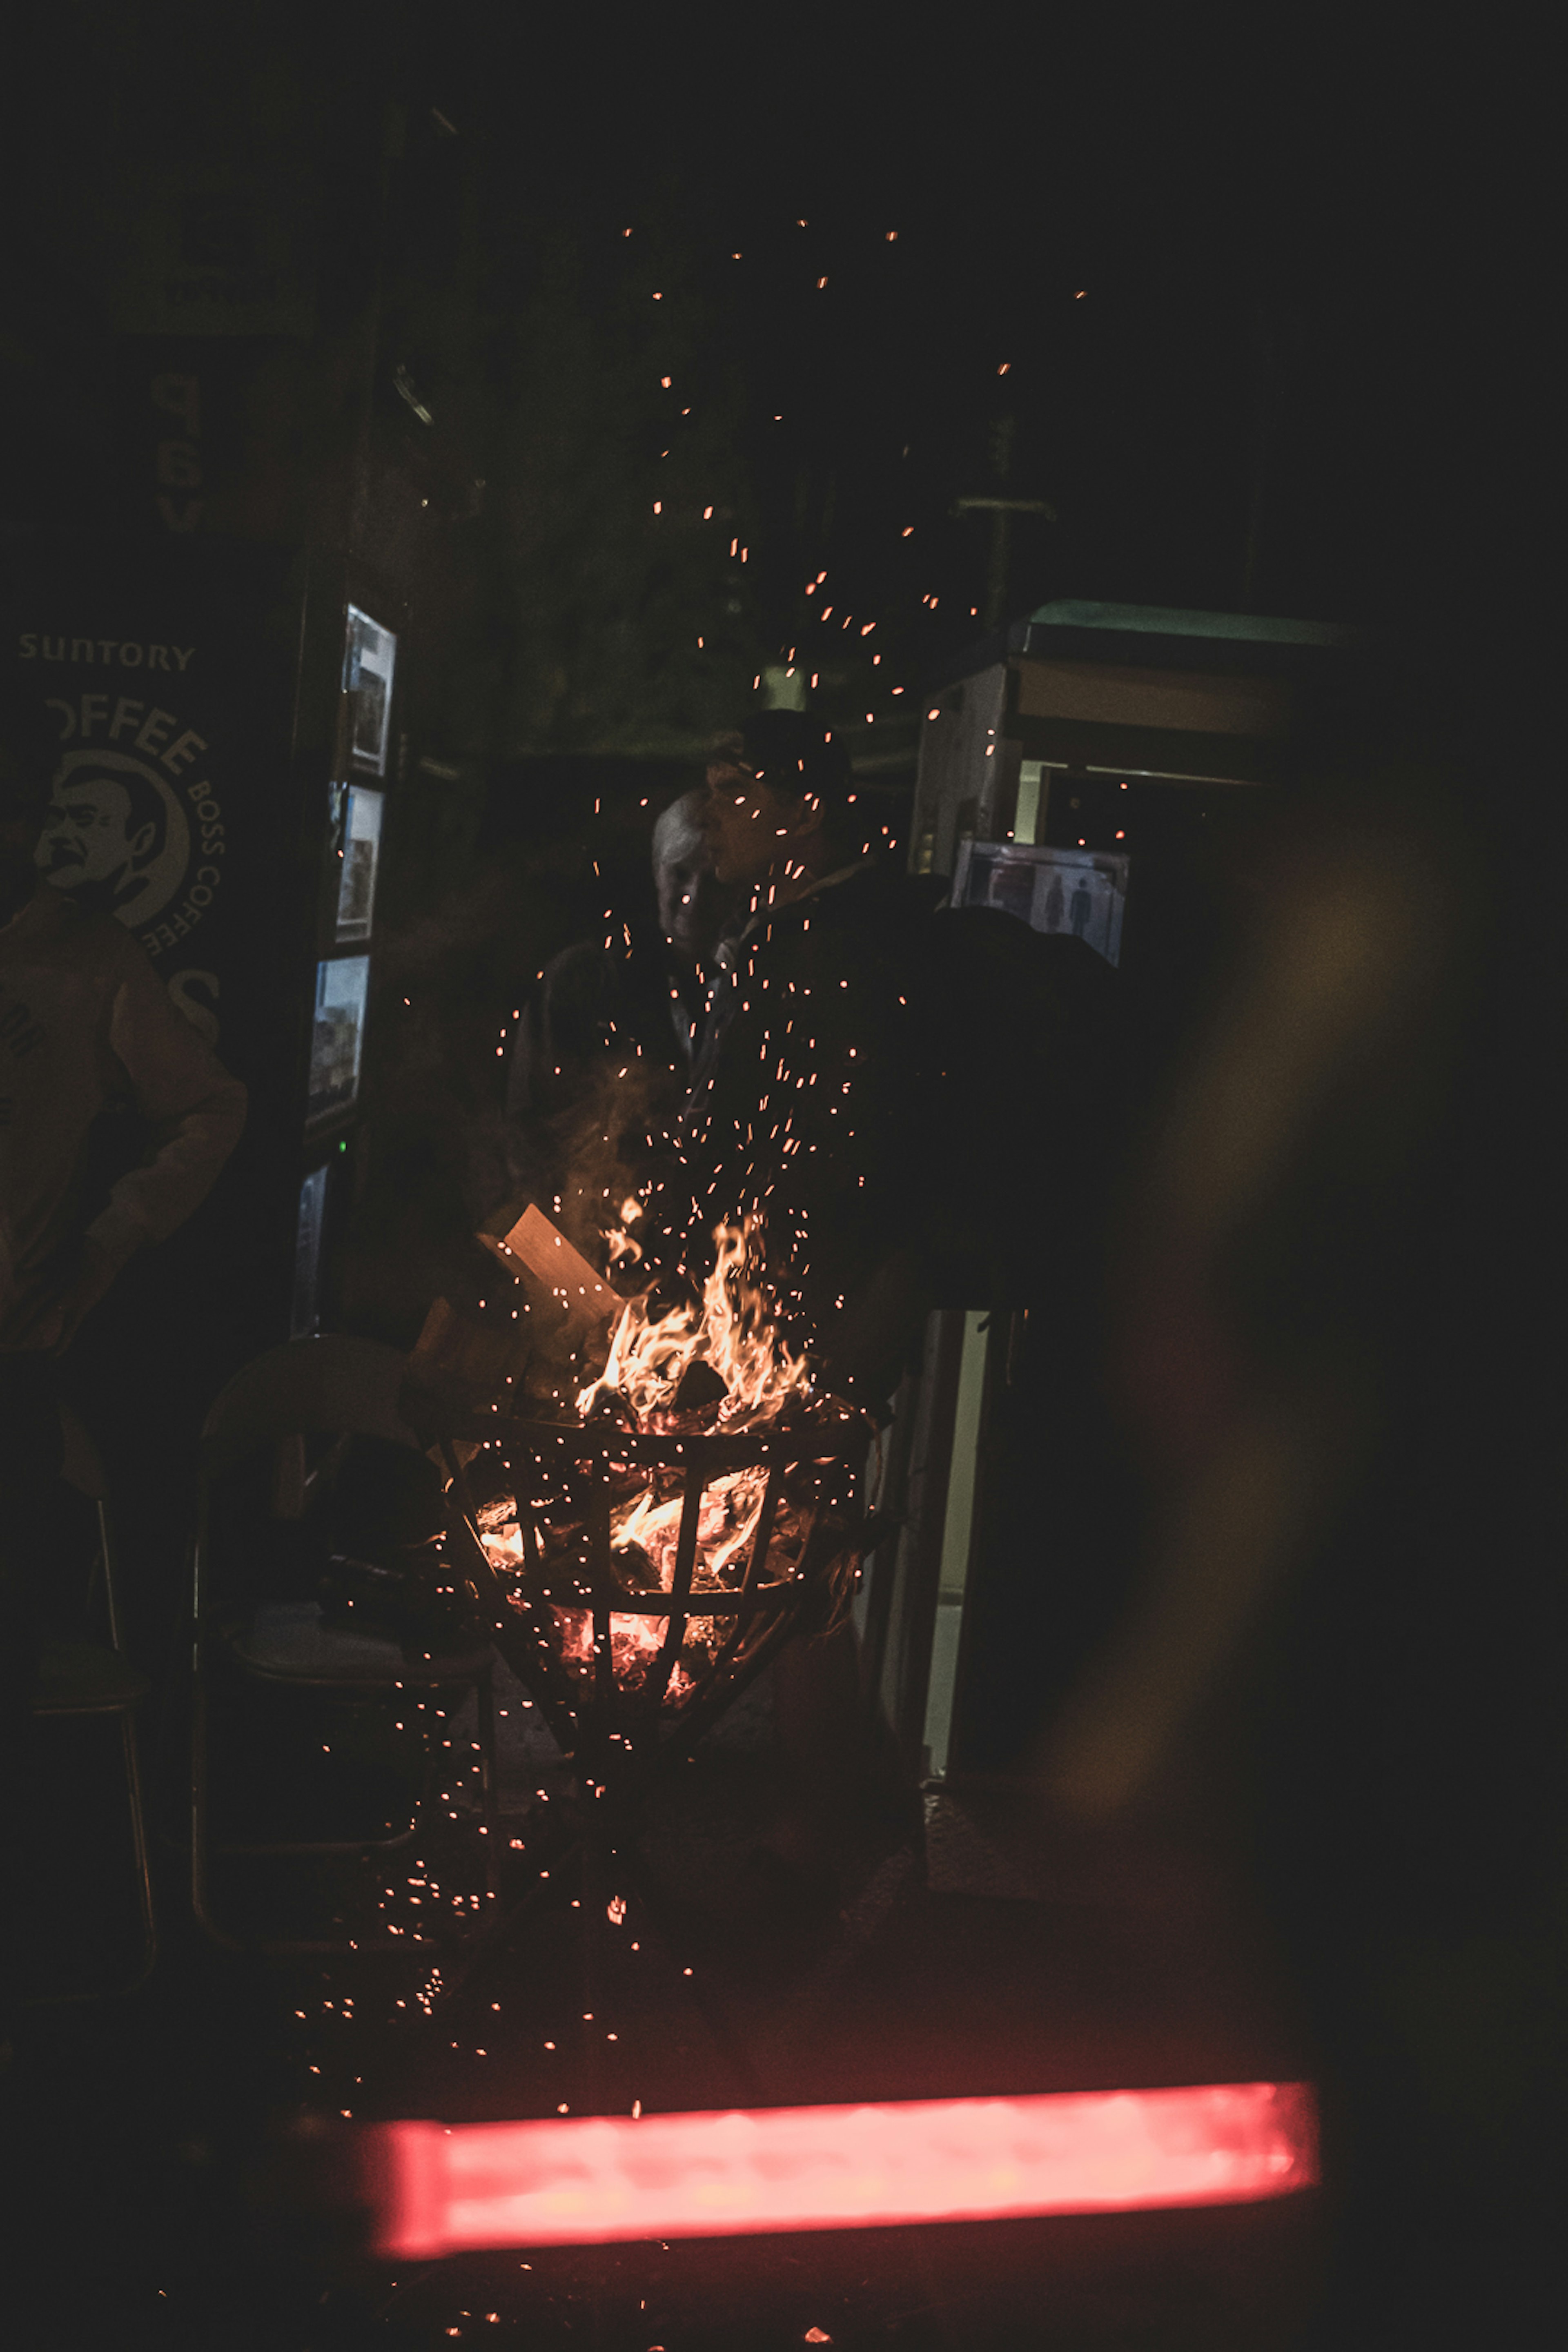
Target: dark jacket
point(601, 1062)
point(808, 1100)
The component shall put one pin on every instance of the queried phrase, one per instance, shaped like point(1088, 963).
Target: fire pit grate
point(636, 1581)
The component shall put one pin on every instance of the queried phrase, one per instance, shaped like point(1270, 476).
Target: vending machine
point(224, 713)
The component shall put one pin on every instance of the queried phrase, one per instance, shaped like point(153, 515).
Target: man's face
point(86, 836)
point(692, 901)
point(748, 827)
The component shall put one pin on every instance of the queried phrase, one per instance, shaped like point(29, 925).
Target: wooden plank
point(530, 1245)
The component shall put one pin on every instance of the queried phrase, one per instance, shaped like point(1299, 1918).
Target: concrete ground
point(183, 2183)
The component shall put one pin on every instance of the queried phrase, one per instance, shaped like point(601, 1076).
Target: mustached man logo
point(133, 829)
point(115, 838)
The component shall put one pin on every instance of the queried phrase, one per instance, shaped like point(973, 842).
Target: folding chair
point(83, 1678)
point(334, 1386)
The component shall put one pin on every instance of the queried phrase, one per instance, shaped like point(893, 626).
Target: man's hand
point(49, 1322)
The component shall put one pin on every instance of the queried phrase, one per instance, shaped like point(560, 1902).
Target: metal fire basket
point(629, 1679)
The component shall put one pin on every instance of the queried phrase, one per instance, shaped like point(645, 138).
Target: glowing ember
point(446, 2188)
point(634, 1642)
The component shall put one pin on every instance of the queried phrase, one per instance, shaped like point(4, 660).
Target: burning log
point(649, 1557)
point(635, 1569)
point(699, 1385)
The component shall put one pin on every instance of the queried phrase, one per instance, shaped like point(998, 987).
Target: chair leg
point(145, 1913)
point(201, 1903)
point(489, 1777)
point(139, 1845)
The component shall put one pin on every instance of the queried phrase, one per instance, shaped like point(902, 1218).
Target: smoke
point(599, 1150)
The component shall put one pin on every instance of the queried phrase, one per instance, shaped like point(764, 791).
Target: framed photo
point(343, 986)
point(357, 825)
point(306, 1315)
point(1080, 891)
point(368, 663)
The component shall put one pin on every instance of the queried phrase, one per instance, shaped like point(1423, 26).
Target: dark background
point(1257, 312)
point(1271, 304)
point(1265, 300)
point(1262, 301)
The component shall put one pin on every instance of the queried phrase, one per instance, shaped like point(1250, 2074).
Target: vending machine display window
point(343, 986)
point(1080, 891)
point(306, 1314)
point(368, 663)
point(357, 815)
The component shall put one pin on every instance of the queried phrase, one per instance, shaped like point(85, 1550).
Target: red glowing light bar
point(447, 2189)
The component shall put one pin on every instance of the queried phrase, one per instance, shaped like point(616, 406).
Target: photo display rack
point(356, 796)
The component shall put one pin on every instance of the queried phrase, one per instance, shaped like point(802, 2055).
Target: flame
point(732, 1333)
point(624, 1249)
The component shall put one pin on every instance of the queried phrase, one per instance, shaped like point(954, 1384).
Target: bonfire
point(643, 1559)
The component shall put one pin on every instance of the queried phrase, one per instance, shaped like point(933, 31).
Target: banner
point(154, 687)
point(155, 691)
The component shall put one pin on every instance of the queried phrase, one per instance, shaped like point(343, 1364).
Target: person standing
point(604, 1052)
point(806, 1098)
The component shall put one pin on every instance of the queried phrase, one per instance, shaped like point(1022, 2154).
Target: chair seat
point(85, 1678)
point(287, 1642)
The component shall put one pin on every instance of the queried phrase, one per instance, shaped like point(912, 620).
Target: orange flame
point(732, 1332)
